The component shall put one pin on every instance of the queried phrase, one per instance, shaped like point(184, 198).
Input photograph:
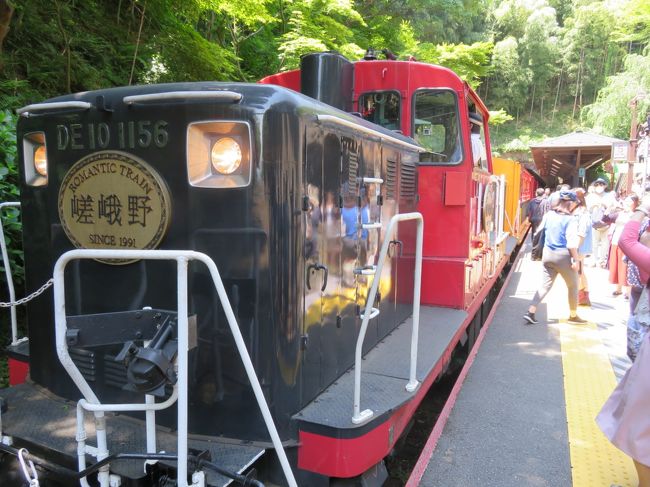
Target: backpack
point(538, 210)
point(597, 218)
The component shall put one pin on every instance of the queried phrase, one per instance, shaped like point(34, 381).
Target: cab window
point(382, 108)
point(435, 125)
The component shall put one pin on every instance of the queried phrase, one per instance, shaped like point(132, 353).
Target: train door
point(338, 313)
point(399, 191)
point(315, 269)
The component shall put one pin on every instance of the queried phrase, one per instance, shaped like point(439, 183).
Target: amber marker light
point(226, 155)
point(40, 160)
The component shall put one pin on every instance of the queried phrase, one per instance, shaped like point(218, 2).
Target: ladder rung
point(372, 180)
point(374, 312)
point(370, 226)
point(366, 271)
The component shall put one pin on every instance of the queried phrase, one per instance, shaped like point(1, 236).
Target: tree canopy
point(538, 60)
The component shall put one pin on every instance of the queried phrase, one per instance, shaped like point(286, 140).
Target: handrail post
point(183, 350)
point(358, 416)
point(417, 284)
point(182, 258)
point(7, 265)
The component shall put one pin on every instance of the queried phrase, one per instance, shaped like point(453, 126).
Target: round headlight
point(40, 161)
point(226, 155)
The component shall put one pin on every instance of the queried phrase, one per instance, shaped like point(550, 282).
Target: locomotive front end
point(169, 167)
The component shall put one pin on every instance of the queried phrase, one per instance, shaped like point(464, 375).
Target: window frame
point(460, 134)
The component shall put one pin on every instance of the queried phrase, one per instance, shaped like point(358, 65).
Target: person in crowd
point(585, 248)
point(617, 267)
point(554, 198)
point(547, 192)
point(534, 211)
point(599, 204)
point(560, 255)
point(637, 281)
point(624, 418)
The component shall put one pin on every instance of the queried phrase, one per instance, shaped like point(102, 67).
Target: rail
point(91, 401)
point(36, 107)
point(358, 416)
point(332, 119)
point(10, 280)
point(220, 95)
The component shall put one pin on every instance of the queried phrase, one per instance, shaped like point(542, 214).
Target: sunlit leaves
point(611, 113)
point(470, 62)
point(319, 25)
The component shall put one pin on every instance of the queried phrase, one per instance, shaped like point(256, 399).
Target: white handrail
point(10, 280)
point(227, 96)
point(181, 257)
point(355, 125)
point(358, 416)
point(24, 111)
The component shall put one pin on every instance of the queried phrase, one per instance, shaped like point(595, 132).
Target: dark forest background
point(550, 65)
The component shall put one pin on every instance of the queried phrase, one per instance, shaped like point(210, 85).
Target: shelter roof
point(563, 156)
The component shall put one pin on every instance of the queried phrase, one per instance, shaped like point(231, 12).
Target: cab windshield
point(435, 125)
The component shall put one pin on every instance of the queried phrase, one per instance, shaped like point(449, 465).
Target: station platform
point(522, 410)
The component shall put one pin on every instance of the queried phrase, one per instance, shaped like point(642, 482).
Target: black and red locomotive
point(290, 194)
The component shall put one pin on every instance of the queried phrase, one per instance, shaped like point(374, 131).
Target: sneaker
point(576, 320)
point(530, 318)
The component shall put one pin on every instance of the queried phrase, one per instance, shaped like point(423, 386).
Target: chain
point(26, 299)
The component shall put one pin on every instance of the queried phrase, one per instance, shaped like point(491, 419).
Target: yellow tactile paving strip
point(588, 382)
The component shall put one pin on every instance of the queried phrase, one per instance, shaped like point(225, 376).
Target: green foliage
point(530, 58)
point(9, 192)
point(611, 113)
point(634, 26)
point(510, 78)
point(472, 63)
point(514, 137)
point(499, 117)
point(320, 25)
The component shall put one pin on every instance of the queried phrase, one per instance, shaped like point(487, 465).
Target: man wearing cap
point(599, 204)
point(560, 255)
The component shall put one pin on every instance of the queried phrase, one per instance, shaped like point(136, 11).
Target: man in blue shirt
point(560, 255)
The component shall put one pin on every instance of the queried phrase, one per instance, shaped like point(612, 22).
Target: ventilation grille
point(114, 372)
point(85, 362)
point(407, 187)
point(391, 178)
point(353, 170)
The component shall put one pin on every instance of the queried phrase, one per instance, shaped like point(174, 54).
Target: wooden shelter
point(562, 157)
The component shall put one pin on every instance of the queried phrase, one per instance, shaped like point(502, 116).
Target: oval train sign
point(113, 200)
